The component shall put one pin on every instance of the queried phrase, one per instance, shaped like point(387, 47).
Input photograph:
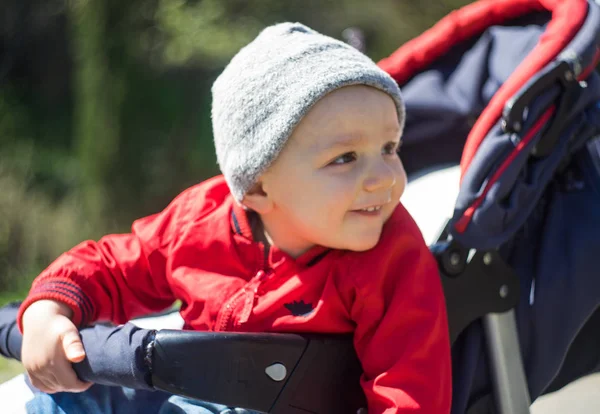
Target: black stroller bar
point(563, 73)
point(475, 283)
point(260, 371)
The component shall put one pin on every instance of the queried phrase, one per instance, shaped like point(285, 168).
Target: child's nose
point(381, 177)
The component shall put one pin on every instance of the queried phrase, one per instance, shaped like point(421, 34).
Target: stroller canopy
point(492, 76)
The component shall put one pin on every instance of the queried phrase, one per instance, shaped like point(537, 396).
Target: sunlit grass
point(8, 369)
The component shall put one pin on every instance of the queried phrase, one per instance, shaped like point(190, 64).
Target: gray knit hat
point(268, 87)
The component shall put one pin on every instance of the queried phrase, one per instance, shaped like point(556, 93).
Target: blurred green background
point(105, 105)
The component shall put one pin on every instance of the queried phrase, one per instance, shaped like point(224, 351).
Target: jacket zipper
point(226, 320)
point(248, 294)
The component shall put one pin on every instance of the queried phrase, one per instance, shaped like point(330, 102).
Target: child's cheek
point(401, 180)
point(340, 189)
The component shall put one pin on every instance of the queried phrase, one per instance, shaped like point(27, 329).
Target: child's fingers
point(41, 383)
point(36, 383)
point(51, 343)
point(62, 378)
point(39, 376)
point(72, 346)
point(67, 379)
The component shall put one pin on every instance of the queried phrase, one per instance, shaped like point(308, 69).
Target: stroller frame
point(488, 278)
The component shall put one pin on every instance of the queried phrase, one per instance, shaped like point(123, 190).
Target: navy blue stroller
point(507, 89)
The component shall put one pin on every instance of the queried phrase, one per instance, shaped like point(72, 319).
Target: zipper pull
point(248, 305)
point(251, 291)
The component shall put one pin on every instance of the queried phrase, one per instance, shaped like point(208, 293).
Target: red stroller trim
point(567, 18)
point(463, 222)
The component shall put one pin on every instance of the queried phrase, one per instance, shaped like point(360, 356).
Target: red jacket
point(200, 250)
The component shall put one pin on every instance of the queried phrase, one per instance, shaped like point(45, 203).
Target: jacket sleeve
point(401, 335)
point(117, 278)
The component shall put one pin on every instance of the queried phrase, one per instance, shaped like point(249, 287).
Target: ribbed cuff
point(62, 290)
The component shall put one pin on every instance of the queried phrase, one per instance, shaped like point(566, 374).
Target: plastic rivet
point(276, 372)
point(569, 76)
point(517, 126)
point(503, 291)
point(455, 259)
point(487, 259)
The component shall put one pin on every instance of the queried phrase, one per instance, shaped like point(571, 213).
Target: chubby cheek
point(337, 194)
point(315, 197)
point(326, 202)
point(401, 180)
point(397, 190)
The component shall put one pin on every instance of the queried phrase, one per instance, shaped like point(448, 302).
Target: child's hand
point(51, 343)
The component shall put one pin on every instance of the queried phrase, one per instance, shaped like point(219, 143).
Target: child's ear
point(258, 200)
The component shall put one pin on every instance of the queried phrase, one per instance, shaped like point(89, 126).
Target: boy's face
point(339, 178)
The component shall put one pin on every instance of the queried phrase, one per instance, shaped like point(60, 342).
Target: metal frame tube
point(511, 392)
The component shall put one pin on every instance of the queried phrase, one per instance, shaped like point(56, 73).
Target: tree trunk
point(96, 102)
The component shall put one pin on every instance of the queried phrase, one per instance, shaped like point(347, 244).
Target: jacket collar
point(240, 225)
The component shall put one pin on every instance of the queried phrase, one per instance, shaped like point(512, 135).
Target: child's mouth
point(369, 211)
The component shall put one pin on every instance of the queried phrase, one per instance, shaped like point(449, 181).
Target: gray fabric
point(270, 85)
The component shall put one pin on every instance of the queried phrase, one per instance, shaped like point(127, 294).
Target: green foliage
point(203, 31)
point(97, 101)
point(39, 210)
point(34, 229)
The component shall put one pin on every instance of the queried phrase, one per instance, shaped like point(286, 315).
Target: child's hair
point(270, 85)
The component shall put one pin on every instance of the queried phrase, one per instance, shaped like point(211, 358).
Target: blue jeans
point(101, 399)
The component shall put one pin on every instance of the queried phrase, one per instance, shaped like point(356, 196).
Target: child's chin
point(364, 245)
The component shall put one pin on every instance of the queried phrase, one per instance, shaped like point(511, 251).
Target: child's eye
point(391, 148)
point(344, 158)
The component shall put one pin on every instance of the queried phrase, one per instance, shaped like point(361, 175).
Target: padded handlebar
point(254, 370)
point(246, 370)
